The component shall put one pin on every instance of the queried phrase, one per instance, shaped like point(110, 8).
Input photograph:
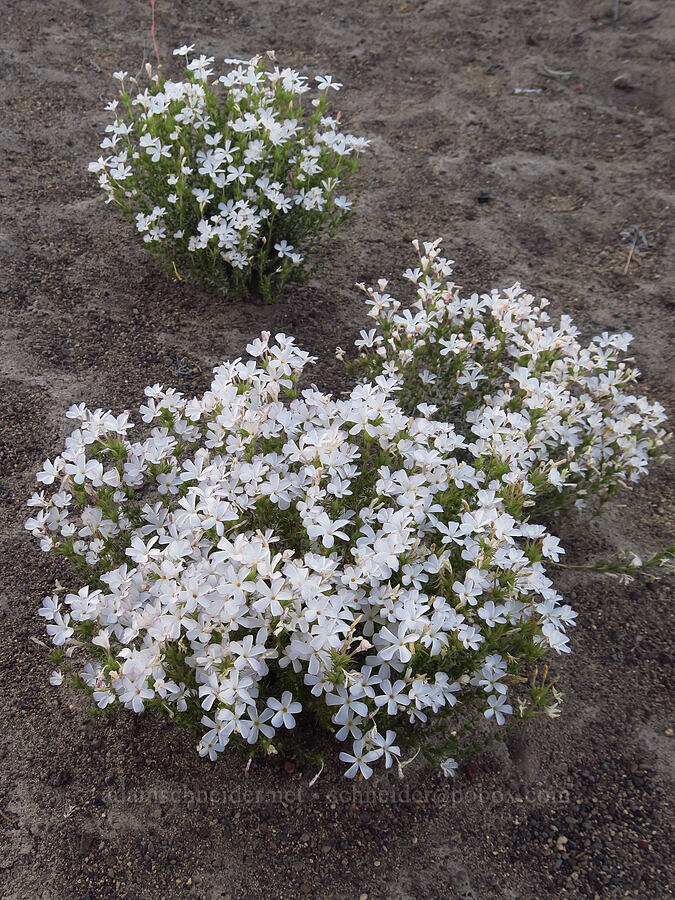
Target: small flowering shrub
point(234, 183)
point(259, 563)
point(558, 419)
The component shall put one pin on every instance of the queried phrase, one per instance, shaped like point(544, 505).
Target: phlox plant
point(560, 418)
point(264, 560)
point(237, 183)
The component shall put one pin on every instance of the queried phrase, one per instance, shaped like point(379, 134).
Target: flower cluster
point(560, 418)
point(263, 559)
point(233, 183)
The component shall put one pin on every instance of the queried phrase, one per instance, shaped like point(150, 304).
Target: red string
point(154, 39)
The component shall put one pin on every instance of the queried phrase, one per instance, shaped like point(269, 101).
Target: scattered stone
point(86, 840)
point(623, 82)
point(60, 777)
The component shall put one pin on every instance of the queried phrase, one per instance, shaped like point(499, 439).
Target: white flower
point(202, 195)
point(324, 82)
point(184, 50)
point(283, 248)
point(322, 527)
point(359, 760)
point(283, 710)
point(386, 745)
point(200, 66)
point(392, 696)
point(59, 629)
point(449, 767)
point(497, 707)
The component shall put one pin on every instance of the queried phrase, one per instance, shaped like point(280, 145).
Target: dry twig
point(634, 234)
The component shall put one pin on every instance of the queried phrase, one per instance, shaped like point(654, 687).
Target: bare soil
point(530, 186)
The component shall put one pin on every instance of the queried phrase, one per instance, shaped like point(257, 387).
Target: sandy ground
point(123, 807)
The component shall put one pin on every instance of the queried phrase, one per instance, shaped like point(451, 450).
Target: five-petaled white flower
point(283, 710)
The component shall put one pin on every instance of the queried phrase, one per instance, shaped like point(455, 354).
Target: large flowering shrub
point(557, 418)
point(233, 183)
point(259, 559)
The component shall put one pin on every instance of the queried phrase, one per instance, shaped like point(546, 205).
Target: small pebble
point(623, 82)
